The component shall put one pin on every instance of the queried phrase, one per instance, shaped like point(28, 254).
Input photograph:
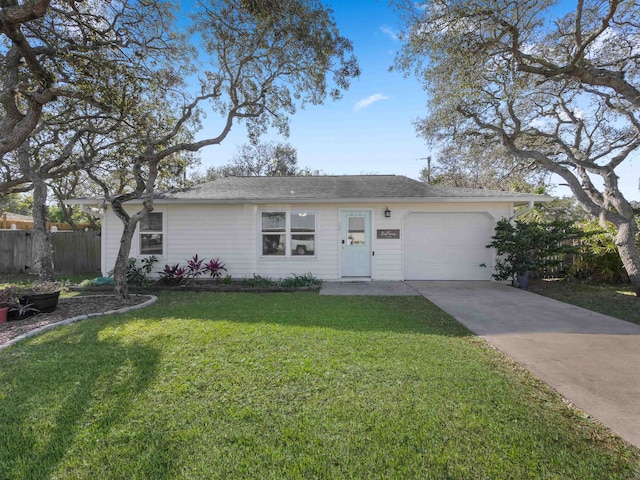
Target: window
point(303, 233)
point(274, 228)
point(288, 234)
point(356, 235)
point(151, 236)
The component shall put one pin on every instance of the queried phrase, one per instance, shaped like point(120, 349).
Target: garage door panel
point(447, 246)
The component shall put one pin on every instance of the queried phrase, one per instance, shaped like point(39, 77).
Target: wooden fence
point(73, 252)
point(7, 223)
point(565, 263)
point(556, 271)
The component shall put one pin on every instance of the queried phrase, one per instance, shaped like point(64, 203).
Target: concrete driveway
point(591, 359)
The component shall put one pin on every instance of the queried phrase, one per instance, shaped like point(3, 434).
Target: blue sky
point(370, 129)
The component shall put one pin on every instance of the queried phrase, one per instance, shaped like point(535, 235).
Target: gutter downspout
point(85, 209)
point(522, 212)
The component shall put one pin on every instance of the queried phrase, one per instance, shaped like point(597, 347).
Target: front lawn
point(206, 385)
point(616, 300)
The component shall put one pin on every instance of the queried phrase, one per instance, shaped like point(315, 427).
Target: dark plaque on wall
point(388, 234)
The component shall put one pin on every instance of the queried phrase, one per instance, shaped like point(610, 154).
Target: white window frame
point(288, 234)
point(139, 234)
point(263, 233)
point(291, 233)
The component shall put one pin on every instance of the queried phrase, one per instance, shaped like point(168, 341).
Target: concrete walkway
point(591, 359)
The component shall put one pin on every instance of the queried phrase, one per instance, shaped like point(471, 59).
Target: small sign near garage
point(388, 234)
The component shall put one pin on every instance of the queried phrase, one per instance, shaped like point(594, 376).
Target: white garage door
point(447, 246)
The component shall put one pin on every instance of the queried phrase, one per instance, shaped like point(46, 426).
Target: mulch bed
point(200, 287)
point(67, 308)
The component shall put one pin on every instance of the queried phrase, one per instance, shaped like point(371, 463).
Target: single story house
point(378, 227)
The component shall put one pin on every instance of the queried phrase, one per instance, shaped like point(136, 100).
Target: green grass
point(207, 385)
point(616, 300)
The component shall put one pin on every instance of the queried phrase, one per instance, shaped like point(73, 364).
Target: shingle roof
point(330, 188)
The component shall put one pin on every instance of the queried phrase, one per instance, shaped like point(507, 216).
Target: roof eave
point(517, 201)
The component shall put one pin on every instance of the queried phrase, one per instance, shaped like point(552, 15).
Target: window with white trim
point(151, 234)
point(288, 233)
point(303, 233)
point(274, 229)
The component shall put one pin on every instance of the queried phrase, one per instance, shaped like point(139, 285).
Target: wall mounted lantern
point(387, 213)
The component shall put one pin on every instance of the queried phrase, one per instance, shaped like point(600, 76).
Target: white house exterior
point(383, 227)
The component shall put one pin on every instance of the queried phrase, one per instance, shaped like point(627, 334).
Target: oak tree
point(267, 159)
point(263, 60)
point(63, 63)
point(557, 87)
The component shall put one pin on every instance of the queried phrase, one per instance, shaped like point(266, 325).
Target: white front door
point(356, 244)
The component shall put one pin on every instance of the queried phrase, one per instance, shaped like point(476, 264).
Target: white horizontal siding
point(232, 233)
point(387, 261)
point(226, 232)
point(112, 232)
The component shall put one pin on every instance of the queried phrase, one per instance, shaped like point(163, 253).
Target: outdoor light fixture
point(387, 212)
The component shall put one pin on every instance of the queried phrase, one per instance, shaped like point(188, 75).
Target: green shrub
point(173, 275)
point(177, 275)
point(306, 280)
point(530, 246)
point(139, 274)
point(597, 258)
point(258, 281)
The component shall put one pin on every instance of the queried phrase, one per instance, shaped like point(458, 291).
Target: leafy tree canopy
point(101, 88)
point(469, 166)
point(268, 159)
point(555, 88)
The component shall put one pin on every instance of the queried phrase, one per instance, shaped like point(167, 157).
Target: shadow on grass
point(306, 309)
point(617, 301)
point(116, 398)
point(61, 393)
point(67, 397)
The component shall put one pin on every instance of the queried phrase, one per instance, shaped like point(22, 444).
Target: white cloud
point(578, 113)
point(390, 32)
point(365, 102)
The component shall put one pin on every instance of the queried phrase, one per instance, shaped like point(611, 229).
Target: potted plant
point(41, 297)
point(21, 311)
point(7, 301)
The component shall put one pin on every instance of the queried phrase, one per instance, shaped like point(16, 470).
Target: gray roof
point(332, 188)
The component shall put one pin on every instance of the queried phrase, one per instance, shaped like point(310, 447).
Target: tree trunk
point(629, 253)
point(41, 236)
point(120, 269)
